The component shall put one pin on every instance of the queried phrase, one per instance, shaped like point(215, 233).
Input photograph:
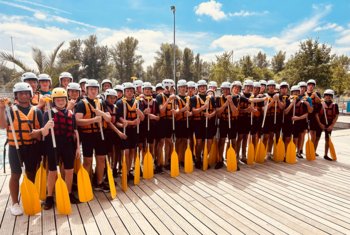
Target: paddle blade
point(40, 181)
point(280, 151)
point(310, 150)
point(111, 181)
point(188, 160)
point(291, 153)
point(332, 149)
point(84, 185)
point(274, 148)
point(137, 170)
point(231, 160)
point(62, 197)
point(213, 152)
point(124, 175)
point(251, 151)
point(260, 152)
point(150, 164)
point(174, 164)
point(30, 197)
point(77, 164)
point(205, 156)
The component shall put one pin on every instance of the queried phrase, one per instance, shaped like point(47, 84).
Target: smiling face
point(129, 93)
point(202, 89)
point(44, 85)
point(147, 91)
point(111, 99)
point(92, 92)
point(64, 82)
point(33, 83)
point(73, 94)
point(60, 102)
point(106, 86)
point(23, 98)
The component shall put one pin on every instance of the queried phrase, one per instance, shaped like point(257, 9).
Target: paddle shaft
point(265, 112)
point(325, 115)
point(97, 103)
point(53, 137)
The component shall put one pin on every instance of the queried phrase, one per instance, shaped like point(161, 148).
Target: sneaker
point(317, 155)
point(328, 158)
point(73, 199)
point(48, 204)
point(299, 155)
point(16, 209)
point(102, 187)
point(244, 161)
point(219, 165)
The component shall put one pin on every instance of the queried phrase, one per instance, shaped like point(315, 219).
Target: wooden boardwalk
point(271, 198)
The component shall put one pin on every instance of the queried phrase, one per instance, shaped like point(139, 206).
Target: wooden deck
point(270, 198)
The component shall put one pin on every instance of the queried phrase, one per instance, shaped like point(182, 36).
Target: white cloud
point(211, 8)
point(329, 26)
point(40, 16)
point(247, 13)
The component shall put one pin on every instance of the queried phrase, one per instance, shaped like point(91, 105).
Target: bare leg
point(14, 187)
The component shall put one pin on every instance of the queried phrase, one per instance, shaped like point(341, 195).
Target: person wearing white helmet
point(166, 105)
point(159, 88)
point(73, 92)
point(44, 84)
point(326, 117)
point(82, 83)
point(203, 107)
point(32, 80)
point(236, 88)
point(89, 115)
point(64, 79)
point(286, 122)
point(213, 85)
point(27, 123)
point(257, 116)
point(224, 104)
point(191, 88)
point(263, 84)
point(299, 117)
point(130, 115)
point(119, 89)
point(106, 84)
point(273, 120)
point(138, 87)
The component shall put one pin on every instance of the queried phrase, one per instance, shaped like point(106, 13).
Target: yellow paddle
point(148, 158)
point(29, 194)
point(174, 159)
point(309, 147)
point(251, 151)
point(40, 180)
point(260, 152)
point(188, 168)
point(137, 167)
point(231, 158)
point(330, 143)
point(291, 148)
point(280, 150)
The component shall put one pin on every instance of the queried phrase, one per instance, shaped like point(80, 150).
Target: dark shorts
point(243, 125)
point(287, 128)
point(111, 139)
point(30, 155)
point(65, 153)
point(181, 130)
point(224, 129)
point(270, 126)
point(202, 132)
point(299, 127)
point(256, 126)
point(164, 128)
point(91, 142)
point(132, 140)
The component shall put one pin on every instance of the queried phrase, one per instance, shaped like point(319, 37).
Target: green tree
point(260, 60)
point(340, 82)
point(187, 64)
point(164, 61)
point(198, 66)
point(247, 66)
point(277, 62)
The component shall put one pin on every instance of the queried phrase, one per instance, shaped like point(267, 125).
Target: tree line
point(86, 58)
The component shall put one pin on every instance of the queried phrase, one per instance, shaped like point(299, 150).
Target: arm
point(84, 122)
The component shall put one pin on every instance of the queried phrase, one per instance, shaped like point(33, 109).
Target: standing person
point(203, 107)
point(130, 115)
point(257, 116)
point(119, 89)
point(166, 105)
point(138, 87)
point(262, 86)
point(67, 145)
point(88, 118)
point(159, 88)
point(64, 79)
point(27, 122)
point(82, 83)
point(236, 88)
point(212, 85)
point(32, 80)
point(44, 84)
point(73, 91)
point(327, 117)
point(105, 84)
point(286, 116)
point(224, 103)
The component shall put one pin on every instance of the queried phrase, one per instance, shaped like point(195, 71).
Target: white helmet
point(256, 84)
point(202, 83)
point(159, 85)
point(106, 81)
point(168, 83)
point(181, 82)
point(127, 85)
point(212, 84)
point(65, 75)
point(28, 76)
point(225, 85)
point(146, 85)
point(328, 92)
point(22, 86)
point(295, 88)
point(284, 84)
point(277, 87)
point(83, 80)
point(236, 83)
point(271, 83)
point(137, 83)
point(191, 84)
point(73, 86)
point(92, 83)
point(44, 77)
point(263, 82)
point(248, 82)
point(311, 81)
point(300, 84)
point(119, 88)
point(110, 92)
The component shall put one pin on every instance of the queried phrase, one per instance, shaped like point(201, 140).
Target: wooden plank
point(48, 221)
point(75, 221)
point(62, 223)
point(88, 219)
point(8, 220)
point(4, 196)
point(35, 225)
point(112, 216)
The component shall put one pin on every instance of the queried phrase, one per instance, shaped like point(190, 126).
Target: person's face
point(73, 94)
point(147, 91)
point(213, 88)
point(60, 102)
point(297, 93)
point(23, 97)
point(33, 83)
point(44, 85)
point(248, 89)
point(139, 90)
point(284, 90)
point(129, 93)
point(119, 94)
point(182, 90)
point(106, 86)
point(310, 87)
point(236, 90)
point(202, 89)
point(262, 88)
point(191, 91)
point(111, 99)
point(210, 93)
point(82, 87)
point(256, 90)
point(328, 97)
point(65, 81)
point(302, 89)
point(225, 91)
point(92, 92)
point(271, 89)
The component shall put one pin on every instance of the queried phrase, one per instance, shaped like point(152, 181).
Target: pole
point(174, 69)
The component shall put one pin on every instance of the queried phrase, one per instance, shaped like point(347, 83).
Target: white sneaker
point(16, 209)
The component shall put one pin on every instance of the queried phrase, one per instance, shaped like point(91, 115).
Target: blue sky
point(208, 27)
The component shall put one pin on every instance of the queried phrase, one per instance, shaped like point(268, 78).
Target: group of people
point(136, 116)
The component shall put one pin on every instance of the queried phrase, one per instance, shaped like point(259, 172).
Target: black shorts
point(243, 125)
point(181, 130)
point(224, 129)
point(132, 138)
point(270, 126)
point(111, 139)
point(30, 156)
point(256, 125)
point(299, 127)
point(65, 153)
point(91, 142)
point(164, 129)
point(202, 132)
point(142, 132)
point(287, 128)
